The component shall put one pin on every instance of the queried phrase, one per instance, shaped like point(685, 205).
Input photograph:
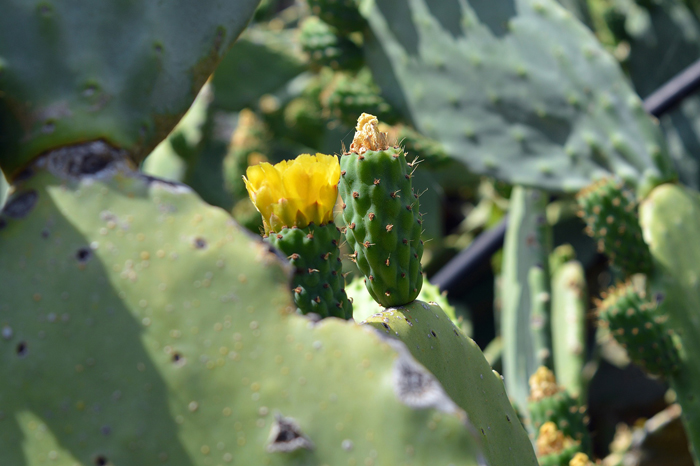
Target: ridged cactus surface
point(120, 71)
point(141, 326)
point(519, 90)
point(318, 283)
point(326, 48)
point(382, 217)
point(457, 362)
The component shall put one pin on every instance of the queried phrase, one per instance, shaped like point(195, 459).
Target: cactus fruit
point(382, 217)
point(457, 362)
point(140, 326)
point(522, 93)
point(341, 14)
point(569, 310)
point(326, 48)
point(553, 447)
point(133, 71)
point(296, 200)
point(634, 322)
point(318, 283)
point(525, 318)
point(609, 209)
point(550, 403)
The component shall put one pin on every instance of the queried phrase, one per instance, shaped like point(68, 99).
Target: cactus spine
point(381, 213)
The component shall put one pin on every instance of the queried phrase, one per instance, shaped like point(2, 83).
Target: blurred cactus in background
point(182, 283)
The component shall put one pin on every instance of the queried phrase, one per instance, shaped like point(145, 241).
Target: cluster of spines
point(325, 47)
point(318, 283)
point(550, 403)
point(381, 212)
point(610, 212)
point(636, 324)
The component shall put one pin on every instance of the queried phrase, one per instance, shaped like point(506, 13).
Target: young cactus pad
point(550, 403)
point(460, 366)
point(610, 212)
point(638, 326)
point(381, 213)
point(296, 199)
point(141, 326)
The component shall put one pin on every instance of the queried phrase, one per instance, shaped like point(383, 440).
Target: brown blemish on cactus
point(83, 255)
point(200, 243)
point(286, 436)
point(101, 461)
point(22, 349)
point(371, 216)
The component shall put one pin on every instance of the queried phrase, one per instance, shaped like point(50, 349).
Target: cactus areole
point(383, 223)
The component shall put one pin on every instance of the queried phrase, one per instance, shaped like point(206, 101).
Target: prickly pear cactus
point(639, 327)
point(525, 321)
point(457, 362)
point(382, 217)
point(349, 95)
point(145, 63)
point(569, 310)
point(551, 403)
point(140, 326)
point(326, 48)
point(554, 448)
point(610, 212)
point(669, 219)
point(519, 90)
point(318, 283)
point(341, 14)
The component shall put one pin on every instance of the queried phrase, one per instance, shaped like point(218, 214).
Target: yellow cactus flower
point(294, 192)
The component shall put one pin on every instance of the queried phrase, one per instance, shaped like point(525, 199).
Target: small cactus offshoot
point(296, 199)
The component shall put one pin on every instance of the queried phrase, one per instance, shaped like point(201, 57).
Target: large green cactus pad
point(140, 326)
point(670, 221)
point(519, 90)
point(460, 366)
point(120, 71)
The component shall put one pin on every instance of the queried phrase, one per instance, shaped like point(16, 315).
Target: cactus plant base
point(140, 326)
point(457, 362)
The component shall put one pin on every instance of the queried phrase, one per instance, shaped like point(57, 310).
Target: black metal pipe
point(456, 273)
point(674, 91)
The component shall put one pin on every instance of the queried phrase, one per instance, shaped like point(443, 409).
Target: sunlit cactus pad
point(140, 326)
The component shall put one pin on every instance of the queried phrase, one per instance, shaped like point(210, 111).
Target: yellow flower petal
point(295, 192)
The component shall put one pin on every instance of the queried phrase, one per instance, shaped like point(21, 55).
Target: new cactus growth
point(636, 324)
point(610, 212)
point(382, 217)
point(296, 199)
point(551, 404)
point(341, 14)
point(554, 448)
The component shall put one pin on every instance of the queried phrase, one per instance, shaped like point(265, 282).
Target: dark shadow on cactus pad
point(77, 378)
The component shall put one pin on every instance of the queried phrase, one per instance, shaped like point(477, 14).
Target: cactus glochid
point(296, 199)
point(381, 212)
